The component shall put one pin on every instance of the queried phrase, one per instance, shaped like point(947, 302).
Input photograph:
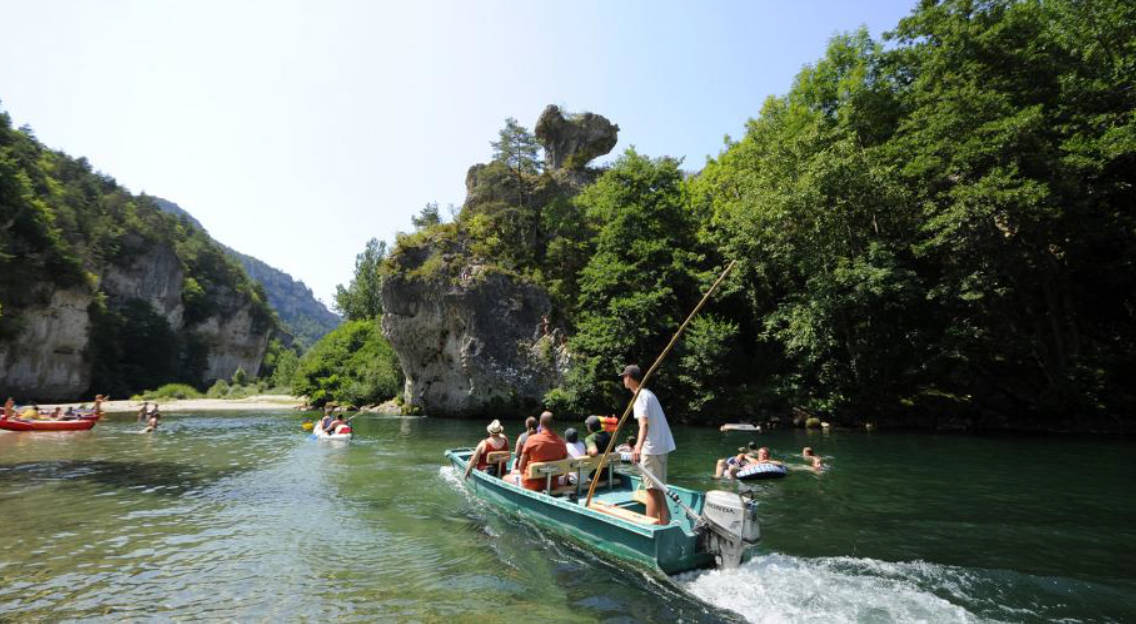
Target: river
point(238, 516)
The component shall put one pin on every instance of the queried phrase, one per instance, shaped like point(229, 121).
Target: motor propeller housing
point(731, 526)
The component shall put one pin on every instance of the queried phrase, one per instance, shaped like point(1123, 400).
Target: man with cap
point(653, 443)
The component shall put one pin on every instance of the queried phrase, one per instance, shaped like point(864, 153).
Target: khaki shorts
point(656, 465)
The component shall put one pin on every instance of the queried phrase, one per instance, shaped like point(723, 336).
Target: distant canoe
point(48, 425)
point(739, 427)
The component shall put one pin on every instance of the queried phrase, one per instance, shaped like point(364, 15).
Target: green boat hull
point(669, 549)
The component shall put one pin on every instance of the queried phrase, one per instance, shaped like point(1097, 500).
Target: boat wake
point(783, 588)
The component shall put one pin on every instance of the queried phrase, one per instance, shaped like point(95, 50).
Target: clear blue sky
point(295, 131)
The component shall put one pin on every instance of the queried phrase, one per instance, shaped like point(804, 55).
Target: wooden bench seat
point(582, 467)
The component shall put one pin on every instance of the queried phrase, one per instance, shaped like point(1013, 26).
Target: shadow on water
point(164, 478)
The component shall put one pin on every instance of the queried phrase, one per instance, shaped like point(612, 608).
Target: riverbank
point(260, 402)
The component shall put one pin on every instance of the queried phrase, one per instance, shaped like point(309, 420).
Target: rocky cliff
point(46, 359)
point(100, 291)
point(476, 336)
point(303, 316)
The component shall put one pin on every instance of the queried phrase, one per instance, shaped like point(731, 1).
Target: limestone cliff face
point(49, 356)
point(471, 347)
point(474, 338)
point(234, 341)
point(47, 359)
point(154, 276)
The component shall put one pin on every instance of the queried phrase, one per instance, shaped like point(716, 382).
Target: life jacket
point(482, 464)
point(610, 423)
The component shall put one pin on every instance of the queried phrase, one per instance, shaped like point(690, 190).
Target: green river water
point(238, 516)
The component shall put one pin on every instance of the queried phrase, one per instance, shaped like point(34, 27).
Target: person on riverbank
point(653, 444)
point(597, 439)
point(530, 428)
point(497, 441)
point(575, 446)
point(542, 446)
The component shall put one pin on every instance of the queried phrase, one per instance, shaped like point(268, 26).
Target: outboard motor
point(731, 526)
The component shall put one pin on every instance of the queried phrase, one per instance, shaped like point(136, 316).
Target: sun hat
point(495, 427)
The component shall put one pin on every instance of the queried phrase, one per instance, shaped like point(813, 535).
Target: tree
point(361, 298)
point(642, 276)
point(517, 148)
point(429, 216)
point(353, 364)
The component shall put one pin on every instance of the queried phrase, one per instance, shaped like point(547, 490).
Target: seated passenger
point(598, 439)
point(9, 409)
point(337, 424)
point(627, 446)
point(530, 428)
point(573, 443)
point(56, 414)
point(495, 442)
point(544, 446)
point(327, 419)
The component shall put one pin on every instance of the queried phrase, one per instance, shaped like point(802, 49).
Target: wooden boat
point(81, 424)
point(719, 528)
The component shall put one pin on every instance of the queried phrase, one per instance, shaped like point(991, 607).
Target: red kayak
point(47, 425)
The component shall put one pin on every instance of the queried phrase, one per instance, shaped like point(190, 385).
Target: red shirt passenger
point(541, 447)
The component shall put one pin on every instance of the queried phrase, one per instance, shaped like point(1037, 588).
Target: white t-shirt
point(576, 449)
point(659, 440)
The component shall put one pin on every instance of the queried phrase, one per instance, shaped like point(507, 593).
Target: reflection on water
point(238, 516)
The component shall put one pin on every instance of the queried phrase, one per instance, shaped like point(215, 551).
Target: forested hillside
point(302, 315)
point(102, 292)
point(934, 230)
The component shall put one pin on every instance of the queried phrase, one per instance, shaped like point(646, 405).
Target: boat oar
point(651, 371)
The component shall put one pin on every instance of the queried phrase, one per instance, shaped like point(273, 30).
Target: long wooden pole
point(651, 371)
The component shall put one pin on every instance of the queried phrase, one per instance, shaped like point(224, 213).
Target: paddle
point(651, 371)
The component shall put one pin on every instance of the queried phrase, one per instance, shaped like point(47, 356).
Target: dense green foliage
point(936, 232)
point(63, 225)
point(353, 365)
point(945, 228)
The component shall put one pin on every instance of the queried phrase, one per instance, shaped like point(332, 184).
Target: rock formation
point(573, 141)
point(472, 347)
point(474, 338)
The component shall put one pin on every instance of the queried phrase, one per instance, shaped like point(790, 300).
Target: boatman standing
point(653, 443)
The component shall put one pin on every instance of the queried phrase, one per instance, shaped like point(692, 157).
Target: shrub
point(218, 390)
point(172, 391)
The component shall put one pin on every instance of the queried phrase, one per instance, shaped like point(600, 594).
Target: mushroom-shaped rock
point(571, 141)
